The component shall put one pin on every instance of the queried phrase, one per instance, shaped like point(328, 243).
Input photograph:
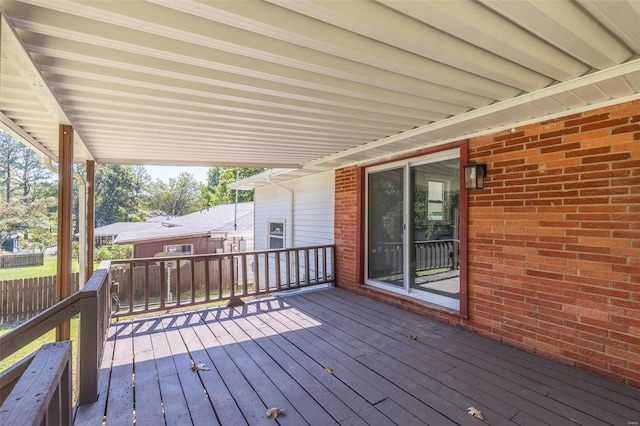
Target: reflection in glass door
point(385, 226)
point(422, 257)
point(435, 239)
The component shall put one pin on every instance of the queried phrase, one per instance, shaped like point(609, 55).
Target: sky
point(164, 173)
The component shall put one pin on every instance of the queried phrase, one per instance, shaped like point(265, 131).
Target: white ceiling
point(302, 83)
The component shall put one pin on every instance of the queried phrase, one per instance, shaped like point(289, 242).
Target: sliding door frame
point(422, 157)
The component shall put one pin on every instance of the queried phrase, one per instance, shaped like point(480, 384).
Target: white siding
point(271, 203)
point(312, 210)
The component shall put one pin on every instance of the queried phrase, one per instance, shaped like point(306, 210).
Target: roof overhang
point(302, 87)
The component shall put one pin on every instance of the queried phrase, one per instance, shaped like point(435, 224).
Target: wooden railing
point(42, 396)
point(93, 304)
point(144, 285)
point(158, 284)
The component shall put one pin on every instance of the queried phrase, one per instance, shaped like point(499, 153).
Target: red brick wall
point(554, 241)
point(346, 227)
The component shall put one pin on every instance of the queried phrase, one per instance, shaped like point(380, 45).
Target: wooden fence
point(21, 260)
point(25, 298)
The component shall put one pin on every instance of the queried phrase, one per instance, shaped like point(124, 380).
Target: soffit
point(309, 85)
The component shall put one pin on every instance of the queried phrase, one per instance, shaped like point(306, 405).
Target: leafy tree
point(21, 170)
point(30, 220)
point(28, 205)
point(8, 156)
point(217, 191)
point(179, 197)
point(118, 191)
point(30, 173)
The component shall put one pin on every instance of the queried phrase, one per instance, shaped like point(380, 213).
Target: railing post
point(95, 309)
point(90, 312)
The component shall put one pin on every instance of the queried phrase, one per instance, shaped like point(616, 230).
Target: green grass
point(48, 269)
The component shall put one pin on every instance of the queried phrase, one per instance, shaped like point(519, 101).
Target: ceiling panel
point(301, 84)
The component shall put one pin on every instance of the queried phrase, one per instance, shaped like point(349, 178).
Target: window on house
point(435, 194)
point(276, 234)
point(183, 249)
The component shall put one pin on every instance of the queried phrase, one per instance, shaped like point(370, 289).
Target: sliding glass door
point(413, 228)
point(385, 232)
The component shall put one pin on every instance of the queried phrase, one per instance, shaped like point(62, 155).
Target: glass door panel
point(435, 230)
point(385, 226)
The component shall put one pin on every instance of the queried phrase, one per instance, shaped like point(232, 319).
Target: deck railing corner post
point(90, 314)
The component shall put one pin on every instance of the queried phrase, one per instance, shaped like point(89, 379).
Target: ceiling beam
point(16, 52)
point(10, 127)
point(627, 68)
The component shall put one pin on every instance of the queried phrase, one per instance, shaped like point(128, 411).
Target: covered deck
point(333, 357)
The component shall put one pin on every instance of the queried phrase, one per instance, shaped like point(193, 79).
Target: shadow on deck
point(333, 357)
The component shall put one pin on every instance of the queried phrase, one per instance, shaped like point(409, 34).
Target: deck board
point(225, 407)
point(148, 399)
point(173, 398)
point(347, 342)
point(120, 401)
point(490, 375)
point(200, 408)
point(362, 409)
point(274, 352)
point(290, 388)
point(251, 406)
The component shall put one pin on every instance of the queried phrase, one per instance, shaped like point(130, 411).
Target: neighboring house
point(544, 258)
point(10, 244)
point(107, 234)
point(222, 228)
point(299, 213)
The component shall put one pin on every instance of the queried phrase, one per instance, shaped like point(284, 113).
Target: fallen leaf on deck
point(329, 370)
point(198, 367)
point(275, 412)
point(475, 413)
point(412, 337)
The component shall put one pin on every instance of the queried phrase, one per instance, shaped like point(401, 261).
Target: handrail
point(30, 330)
point(158, 283)
point(93, 304)
point(43, 394)
point(11, 375)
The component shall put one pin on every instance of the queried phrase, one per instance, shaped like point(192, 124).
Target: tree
point(179, 197)
point(28, 205)
point(22, 172)
point(118, 191)
point(29, 220)
point(30, 172)
point(217, 191)
point(9, 148)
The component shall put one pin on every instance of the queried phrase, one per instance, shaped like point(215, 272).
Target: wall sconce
point(474, 175)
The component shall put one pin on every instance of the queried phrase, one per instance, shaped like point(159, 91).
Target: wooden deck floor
point(275, 353)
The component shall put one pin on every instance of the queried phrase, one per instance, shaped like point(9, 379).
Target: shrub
point(113, 251)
